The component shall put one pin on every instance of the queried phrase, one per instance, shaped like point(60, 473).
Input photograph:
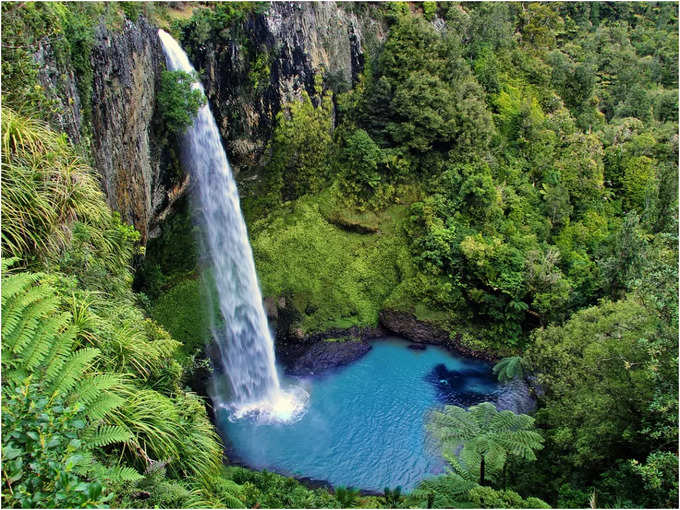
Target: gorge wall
point(119, 121)
point(127, 68)
point(250, 69)
point(256, 66)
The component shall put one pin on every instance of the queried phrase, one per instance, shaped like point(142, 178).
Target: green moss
point(183, 312)
point(335, 277)
point(172, 256)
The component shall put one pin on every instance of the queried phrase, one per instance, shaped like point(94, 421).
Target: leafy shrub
point(178, 101)
point(55, 412)
point(294, 169)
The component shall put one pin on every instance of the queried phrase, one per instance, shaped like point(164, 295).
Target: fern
point(107, 434)
point(103, 406)
point(510, 368)
point(74, 368)
point(123, 474)
point(486, 436)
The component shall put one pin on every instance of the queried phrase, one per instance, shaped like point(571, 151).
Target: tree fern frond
point(92, 388)
point(108, 434)
point(23, 312)
point(56, 357)
point(8, 262)
point(508, 369)
point(17, 283)
point(74, 368)
point(44, 339)
point(103, 406)
point(498, 434)
point(124, 474)
point(231, 501)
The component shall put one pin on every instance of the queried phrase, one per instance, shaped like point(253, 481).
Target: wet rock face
point(407, 326)
point(293, 41)
point(323, 356)
point(60, 86)
point(127, 68)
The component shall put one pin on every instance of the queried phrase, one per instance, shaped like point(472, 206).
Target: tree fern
point(510, 368)
point(482, 437)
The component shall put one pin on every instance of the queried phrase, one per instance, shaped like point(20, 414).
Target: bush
point(178, 101)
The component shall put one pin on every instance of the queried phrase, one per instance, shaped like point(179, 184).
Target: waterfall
point(244, 340)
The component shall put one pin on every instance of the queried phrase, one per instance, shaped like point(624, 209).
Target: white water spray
point(245, 342)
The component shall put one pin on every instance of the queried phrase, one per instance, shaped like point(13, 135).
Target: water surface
point(365, 422)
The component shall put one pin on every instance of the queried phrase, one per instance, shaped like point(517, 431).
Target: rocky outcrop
point(257, 66)
point(127, 67)
point(323, 356)
point(130, 151)
point(408, 326)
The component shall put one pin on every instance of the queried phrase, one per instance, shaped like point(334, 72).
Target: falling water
point(245, 342)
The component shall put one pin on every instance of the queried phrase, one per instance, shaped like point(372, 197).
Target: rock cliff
point(127, 67)
point(250, 71)
point(267, 60)
point(128, 147)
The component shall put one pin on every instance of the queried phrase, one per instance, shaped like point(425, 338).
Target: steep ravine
point(131, 152)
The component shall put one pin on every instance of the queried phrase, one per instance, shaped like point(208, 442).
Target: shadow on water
point(465, 387)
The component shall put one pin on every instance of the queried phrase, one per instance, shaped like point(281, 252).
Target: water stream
point(243, 337)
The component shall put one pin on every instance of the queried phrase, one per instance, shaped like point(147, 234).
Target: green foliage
point(294, 169)
point(208, 25)
point(361, 159)
point(610, 393)
point(54, 409)
point(502, 173)
point(332, 277)
point(178, 101)
point(660, 475)
point(487, 438)
point(422, 96)
point(486, 497)
point(46, 187)
point(269, 490)
point(46, 462)
point(392, 497)
point(346, 496)
point(429, 10)
point(82, 340)
point(510, 368)
point(182, 311)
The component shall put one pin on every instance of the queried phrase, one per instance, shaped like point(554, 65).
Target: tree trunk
point(481, 472)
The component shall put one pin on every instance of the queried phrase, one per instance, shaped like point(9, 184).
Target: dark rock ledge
point(406, 325)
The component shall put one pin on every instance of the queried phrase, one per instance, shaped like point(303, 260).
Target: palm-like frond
point(482, 435)
point(510, 368)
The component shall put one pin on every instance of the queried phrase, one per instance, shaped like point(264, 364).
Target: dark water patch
point(463, 387)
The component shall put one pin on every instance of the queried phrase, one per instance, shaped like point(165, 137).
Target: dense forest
point(504, 172)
